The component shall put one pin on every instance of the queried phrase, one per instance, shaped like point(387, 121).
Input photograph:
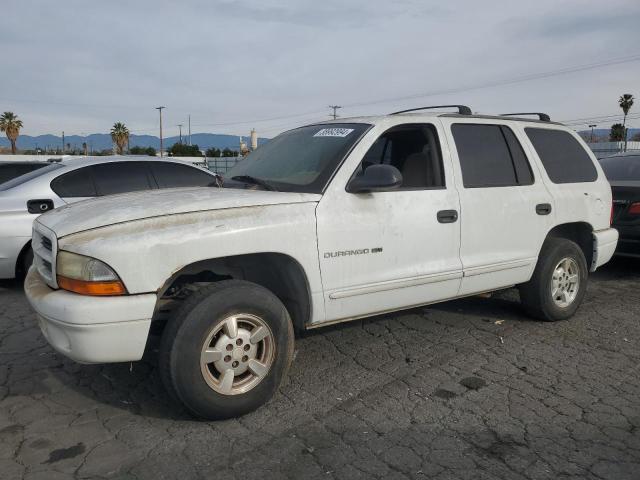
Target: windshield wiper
point(254, 181)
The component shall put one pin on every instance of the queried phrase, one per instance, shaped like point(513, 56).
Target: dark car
point(9, 170)
point(623, 172)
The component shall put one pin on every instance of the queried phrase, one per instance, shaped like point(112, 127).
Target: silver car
point(25, 197)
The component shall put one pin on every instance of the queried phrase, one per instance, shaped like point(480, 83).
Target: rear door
point(506, 208)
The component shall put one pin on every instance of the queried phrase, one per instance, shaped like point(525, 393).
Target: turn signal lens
point(634, 209)
point(91, 288)
point(87, 275)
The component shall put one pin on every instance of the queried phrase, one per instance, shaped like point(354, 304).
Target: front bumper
point(604, 244)
point(91, 329)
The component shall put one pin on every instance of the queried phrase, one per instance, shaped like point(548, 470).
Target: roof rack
point(462, 109)
point(542, 116)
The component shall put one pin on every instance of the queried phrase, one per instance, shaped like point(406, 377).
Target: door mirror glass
point(376, 178)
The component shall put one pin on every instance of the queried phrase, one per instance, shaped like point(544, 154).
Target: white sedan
point(23, 198)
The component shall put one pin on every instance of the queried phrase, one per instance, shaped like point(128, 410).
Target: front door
point(394, 249)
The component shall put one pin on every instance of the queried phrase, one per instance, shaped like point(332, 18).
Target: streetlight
point(592, 127)
point(160, 110)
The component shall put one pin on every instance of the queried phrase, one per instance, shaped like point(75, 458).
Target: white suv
point(323, 224)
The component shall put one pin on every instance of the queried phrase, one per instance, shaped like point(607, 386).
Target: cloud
point(80, 66)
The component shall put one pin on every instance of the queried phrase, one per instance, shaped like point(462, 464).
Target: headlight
point(86, 275)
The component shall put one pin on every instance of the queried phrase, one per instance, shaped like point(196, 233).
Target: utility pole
point(189, 129)
point(180, 127)
point(592, 127)
point(335, 108)
point(160, 110)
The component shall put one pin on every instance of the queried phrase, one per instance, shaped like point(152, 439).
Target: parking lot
point(467, 389)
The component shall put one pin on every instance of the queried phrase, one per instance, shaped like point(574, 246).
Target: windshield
point(622, 169)
point(29, 176)
point(300, 160)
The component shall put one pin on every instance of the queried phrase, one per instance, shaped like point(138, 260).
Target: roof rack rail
point(542, 116)
point(462, 109)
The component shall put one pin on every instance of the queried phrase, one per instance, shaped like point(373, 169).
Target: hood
point(104, 211)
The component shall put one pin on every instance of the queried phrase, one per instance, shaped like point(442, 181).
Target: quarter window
point(564, 159)
point(490, 156)
point(75, 184)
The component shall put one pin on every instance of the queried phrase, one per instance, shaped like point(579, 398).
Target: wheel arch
point(280, 273)
point(579, 232)
point(20, 259)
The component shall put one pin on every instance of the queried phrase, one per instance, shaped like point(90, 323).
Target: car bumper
point(604, 244)
point(91, 329)
point(629, 242)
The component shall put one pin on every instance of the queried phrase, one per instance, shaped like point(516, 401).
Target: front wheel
point(227, 349)
point(559, 281)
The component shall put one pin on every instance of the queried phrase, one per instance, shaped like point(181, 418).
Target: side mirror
point(376, 178)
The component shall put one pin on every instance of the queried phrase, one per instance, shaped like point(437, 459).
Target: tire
point(198, 349)
point(561, 263)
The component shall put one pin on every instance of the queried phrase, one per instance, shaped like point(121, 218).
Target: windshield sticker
point(334, 132)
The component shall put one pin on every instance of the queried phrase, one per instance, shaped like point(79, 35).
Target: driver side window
point(414, 150)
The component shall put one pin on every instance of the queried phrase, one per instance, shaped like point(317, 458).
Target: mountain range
point(102, 141)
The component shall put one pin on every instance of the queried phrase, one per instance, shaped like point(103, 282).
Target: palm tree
point(120, 136)
point(625, 102)
point(10, 124)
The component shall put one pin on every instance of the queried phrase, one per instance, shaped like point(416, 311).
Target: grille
point(46, 243)
point(44, 253)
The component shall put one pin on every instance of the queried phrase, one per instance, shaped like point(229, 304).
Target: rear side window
point(77, 183)
point(121, 177)
point(563, 157)
point(170, 175)
point(490, 156)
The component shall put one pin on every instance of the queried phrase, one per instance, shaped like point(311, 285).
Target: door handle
point(39, 206)
point(447, 216)
point(543, 208)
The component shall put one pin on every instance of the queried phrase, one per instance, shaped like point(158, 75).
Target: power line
point(490, 84)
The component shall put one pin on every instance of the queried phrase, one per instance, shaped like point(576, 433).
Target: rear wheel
point(559, 281)
point(227, 349)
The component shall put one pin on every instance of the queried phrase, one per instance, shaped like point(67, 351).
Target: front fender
point(146, 253)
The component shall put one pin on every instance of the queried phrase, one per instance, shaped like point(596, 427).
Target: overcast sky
point(79, 66)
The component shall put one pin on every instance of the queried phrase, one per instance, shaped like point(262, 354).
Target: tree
point(213, 152)
point(182, 150)
point(227, 152)
point(11, 125)
point(617, 132)
point(150, 151)
point(120, 136)
point(625, 102)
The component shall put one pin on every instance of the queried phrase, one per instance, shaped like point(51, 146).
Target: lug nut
point(247, 347)
point(239, 341)
point(245, 358)
point(227, 358)
point(234, 364)
point(229, 347)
